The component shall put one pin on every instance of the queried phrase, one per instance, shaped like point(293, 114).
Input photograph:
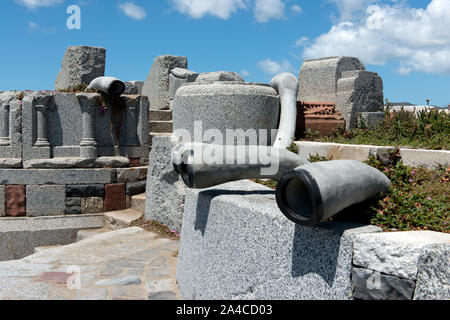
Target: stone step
point(84, 234)
point(138, 202)
point(160, 115)
point(161, 126)
point(154, 134)
point(40, 249)
point(122, 218)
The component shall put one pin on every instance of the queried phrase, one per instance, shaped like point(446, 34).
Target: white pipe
point(109, 85)
point(286, 84)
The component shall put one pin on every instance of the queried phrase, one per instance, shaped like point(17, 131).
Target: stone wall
point(53, 192)
point(60, 130)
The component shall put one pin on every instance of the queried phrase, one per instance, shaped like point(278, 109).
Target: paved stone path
point(125, 264)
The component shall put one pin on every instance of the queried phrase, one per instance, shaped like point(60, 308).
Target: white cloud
point(245, 73)
point(274, 67)
point(133, 11)
point(417, 39)
point(266, 10)
point(301, 42)
point(33, 4)
point(296, 8)
point(34, 27)
point(199, 8)
point(349, 8)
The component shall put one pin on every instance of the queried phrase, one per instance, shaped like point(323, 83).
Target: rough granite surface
point(81, 65)
point(253, 107)
point(156, 87)
point(433, 278)
point(236, 244)
point(395, 253)
point(165, 189)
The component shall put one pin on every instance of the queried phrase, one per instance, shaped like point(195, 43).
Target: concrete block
point(80, 65)
point(395, 253)
point(372, 285)
point(19, 236)
point(165, 189)
point(433, 278)
point(15, 201)
point(431, 159)
point(45, 200)
point(156, 87)
point(227, 105)
point(236, 244)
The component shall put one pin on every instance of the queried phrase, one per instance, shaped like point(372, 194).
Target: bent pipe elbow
point(233, 163)
point(312, 193)
point(286, 84)
point(109, 85)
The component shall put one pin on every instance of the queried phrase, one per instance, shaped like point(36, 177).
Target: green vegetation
point(417, 200)
point(427, 130)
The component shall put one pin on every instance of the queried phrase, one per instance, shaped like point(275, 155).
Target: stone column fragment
point(88, 145)
point(42, 140)
point(4, 125)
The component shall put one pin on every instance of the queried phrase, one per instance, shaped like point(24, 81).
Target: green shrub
point(429, 130)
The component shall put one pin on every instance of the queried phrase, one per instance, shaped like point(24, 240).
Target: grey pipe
point(254, 162)
point(286, 84)
point(315, 192)
point(109, 85)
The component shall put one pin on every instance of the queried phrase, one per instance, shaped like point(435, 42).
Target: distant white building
point(397, 106)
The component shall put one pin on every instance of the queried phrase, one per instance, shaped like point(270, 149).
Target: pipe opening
point(298, 197)
point(116, 88)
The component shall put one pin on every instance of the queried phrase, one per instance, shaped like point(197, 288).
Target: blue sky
point(406, 41)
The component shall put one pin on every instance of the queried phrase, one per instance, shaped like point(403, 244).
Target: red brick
point(15, 200)
point(135, 162)
point(115, 197)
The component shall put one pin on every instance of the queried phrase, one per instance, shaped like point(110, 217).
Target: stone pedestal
point(236, 244)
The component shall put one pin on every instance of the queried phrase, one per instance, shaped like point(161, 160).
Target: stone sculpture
point(307, 194)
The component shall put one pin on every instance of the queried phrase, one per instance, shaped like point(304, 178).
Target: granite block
point(45, 200)
point(85, 191)
point(156, 86)
point(55, 176)
point(236, 244)
point(134, 188)
point(372, 285)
